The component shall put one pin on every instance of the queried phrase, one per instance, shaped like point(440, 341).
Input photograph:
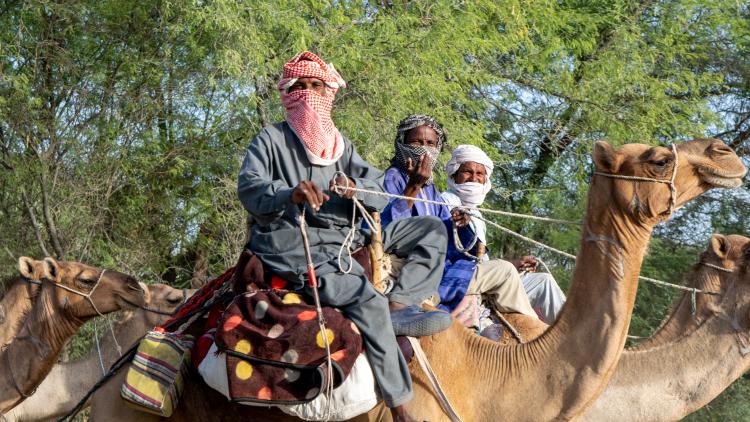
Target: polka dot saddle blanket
point(275, 351)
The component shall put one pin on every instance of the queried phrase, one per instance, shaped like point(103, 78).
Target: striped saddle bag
point(156, 376)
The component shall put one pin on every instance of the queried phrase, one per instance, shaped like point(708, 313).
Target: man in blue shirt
point(419, 140)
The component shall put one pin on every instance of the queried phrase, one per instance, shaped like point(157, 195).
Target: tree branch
point(34, 224)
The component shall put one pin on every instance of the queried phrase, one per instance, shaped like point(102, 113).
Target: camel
point(559, 374)
point(667, 381)
point(724, 252)
point(59, 311)
point(68, 382)
point(18, 297)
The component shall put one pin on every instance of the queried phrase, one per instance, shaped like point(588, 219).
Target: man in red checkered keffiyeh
point(288, 165)
point(308, 87)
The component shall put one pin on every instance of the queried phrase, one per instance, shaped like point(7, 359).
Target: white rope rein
point(339, 188)
point(349, 238)
point(98, 348)
point(672, 202)
point(716, 267)
point(573, 257)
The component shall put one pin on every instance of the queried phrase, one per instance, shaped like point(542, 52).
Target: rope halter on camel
point(716, 267)
point(670, 181)
point(87, 296)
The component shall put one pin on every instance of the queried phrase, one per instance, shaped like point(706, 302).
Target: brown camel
point(68, 382)
point(557, 375)
point(667, 381)
point(18, 297)
point(724, 252)
point(56, 315)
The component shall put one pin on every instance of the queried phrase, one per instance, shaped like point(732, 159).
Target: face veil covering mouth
point(471, 193)
point(402, 151)
point(308, 113)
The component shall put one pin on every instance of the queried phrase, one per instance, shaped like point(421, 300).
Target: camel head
point(109, 290)
point(725, 251)
point(161, 301)
point(702, 164)
point(30, 268)
point(738, 309)
point(715, 268)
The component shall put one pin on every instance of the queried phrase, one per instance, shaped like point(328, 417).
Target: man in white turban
point(469, 171)
point(419, 139)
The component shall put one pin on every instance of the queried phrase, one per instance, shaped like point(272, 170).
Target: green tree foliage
point(123, 123)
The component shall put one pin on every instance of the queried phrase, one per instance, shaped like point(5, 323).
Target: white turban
point(471, 194)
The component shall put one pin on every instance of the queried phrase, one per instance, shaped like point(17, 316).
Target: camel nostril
point(719, 148)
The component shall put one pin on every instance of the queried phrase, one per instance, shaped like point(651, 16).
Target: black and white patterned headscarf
point(403, 152)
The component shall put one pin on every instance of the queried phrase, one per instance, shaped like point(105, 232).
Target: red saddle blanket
point(275, 349)
point(272, 340)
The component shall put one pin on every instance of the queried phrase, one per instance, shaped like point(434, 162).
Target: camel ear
point(606, 158)
point(51, 269)
point(719, 245)
point(146, 292)
point(27, 267)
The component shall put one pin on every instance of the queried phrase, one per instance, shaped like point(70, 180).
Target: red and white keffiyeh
point(309, 113)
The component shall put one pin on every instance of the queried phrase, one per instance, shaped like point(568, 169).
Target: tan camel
point(68, 382)
point(724, 252)
point(668, 381)
point(560, 373)
point(18, 297)
point(529, 328)
point(55, 317)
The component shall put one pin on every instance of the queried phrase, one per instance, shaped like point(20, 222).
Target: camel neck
point(68, 382)
point(597, 313)
point(577, 355)
point(670, 380)
point(682, 320)
point(31, 355)
point(14, 307)
point(604, 281)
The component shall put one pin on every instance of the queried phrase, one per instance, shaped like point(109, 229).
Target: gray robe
point(274, 165)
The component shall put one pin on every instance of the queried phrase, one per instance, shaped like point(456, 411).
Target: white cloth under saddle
point(355, 396)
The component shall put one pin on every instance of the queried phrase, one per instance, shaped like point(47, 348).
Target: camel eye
point(174, 300)
point(660, 163)
point(87, 281)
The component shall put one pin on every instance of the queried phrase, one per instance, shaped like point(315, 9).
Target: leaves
point(134, 115)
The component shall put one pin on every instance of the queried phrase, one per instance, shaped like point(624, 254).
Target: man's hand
point(342, 181)
point(526, 263)
point(460, 217)
point(309, 192)
point(420, 172)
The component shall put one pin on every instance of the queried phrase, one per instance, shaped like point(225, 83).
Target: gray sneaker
point(416, 322)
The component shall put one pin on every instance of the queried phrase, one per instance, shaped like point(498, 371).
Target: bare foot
point(400, 414)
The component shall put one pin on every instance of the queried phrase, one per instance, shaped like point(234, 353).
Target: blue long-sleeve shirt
point(459, 269)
